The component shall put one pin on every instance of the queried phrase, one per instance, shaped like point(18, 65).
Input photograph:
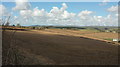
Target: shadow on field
point(12, 54)
point(15, 29)
point(45, 49)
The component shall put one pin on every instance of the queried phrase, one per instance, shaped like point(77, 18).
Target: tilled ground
point(66, 50)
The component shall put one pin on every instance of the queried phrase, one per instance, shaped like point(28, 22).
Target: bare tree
point(8, 42)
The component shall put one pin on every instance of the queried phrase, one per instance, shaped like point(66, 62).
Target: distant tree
point(13, 25)
point(106, 28)
point(33, 27)
point(18, 25)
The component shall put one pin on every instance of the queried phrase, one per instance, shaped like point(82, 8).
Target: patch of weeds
point(109, 39)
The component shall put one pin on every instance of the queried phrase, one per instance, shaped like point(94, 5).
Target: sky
point(61, 13)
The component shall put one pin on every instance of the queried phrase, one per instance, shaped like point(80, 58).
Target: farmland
point(60, 33)
point(65, 47)
point(87, 33)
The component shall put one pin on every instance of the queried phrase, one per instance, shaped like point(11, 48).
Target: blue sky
point(93, 9)
point(74, 7)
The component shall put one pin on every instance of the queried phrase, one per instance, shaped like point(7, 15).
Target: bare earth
point(55, 48)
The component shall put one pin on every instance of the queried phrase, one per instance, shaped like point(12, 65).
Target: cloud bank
point(22, 5)
point(61, 17)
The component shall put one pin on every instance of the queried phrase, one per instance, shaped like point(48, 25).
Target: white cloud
point(117, 15)
point(25, 17)
point(84, 15)
point(67, 15)
point(15, 17)
point(60, 16)
point(104, 2)
point(37, 12)
point(85, 12)
point(21, 5)
point(3, 11)
point(55, 12)
point(109, 20)
point(64, 7)
point(26, 13)
point(113, 9)
point(89, 19)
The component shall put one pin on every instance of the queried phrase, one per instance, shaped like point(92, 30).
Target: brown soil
point(62, 49)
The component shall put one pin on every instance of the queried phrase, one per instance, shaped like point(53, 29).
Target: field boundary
point(58, 33)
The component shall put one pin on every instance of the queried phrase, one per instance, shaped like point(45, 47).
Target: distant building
point(116, 40)
point(107, 31)
point(114, 31)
